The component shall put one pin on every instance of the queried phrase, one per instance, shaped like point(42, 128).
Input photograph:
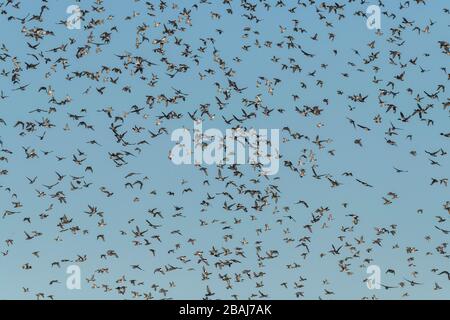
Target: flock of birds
point(85, 123)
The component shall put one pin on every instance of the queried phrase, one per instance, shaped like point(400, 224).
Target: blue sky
point(372, 163)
